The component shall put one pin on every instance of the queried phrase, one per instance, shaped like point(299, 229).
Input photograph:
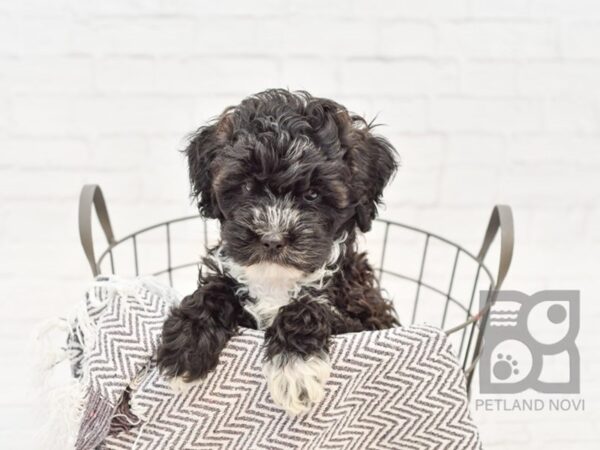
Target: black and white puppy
point(291, 179)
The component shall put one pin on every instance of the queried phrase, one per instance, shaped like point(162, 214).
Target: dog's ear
point(202, 155)
point(372, 161)
point(370, 158)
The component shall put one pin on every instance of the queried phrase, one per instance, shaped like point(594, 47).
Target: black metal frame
point(501, 219)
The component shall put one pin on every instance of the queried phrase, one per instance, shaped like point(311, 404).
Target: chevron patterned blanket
point(394, 389)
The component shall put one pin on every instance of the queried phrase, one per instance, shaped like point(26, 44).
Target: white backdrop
point(487, 101)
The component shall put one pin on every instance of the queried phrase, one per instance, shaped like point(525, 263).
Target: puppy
point(291, 178)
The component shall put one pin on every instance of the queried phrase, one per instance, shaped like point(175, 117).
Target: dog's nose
point(273, 241)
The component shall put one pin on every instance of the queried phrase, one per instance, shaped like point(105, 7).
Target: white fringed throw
point(397, 389)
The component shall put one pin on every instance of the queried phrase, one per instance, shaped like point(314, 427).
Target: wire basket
point(461, 311)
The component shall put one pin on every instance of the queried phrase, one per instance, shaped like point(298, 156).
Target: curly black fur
point(288, 176)
point(301, 328)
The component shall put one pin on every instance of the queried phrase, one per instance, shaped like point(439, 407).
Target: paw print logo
point(511, 361)
point(524, 333)
point(505, 367)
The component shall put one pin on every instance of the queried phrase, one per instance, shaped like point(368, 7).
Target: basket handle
point(91, 195)
point(501, 219)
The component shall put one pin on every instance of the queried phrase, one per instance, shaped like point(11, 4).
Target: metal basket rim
point(472, 318)
point(378, 219)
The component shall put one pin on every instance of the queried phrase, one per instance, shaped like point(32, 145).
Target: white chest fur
point(270, 287)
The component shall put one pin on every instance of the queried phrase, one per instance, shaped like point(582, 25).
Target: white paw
point(297, 384)
point(179, 385)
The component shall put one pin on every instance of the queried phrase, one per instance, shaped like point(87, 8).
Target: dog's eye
point(247, 186)
point(311, 195)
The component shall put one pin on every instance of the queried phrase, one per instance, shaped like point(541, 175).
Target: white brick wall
point(488, 101)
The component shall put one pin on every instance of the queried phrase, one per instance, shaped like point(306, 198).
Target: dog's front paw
point(296, 383)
